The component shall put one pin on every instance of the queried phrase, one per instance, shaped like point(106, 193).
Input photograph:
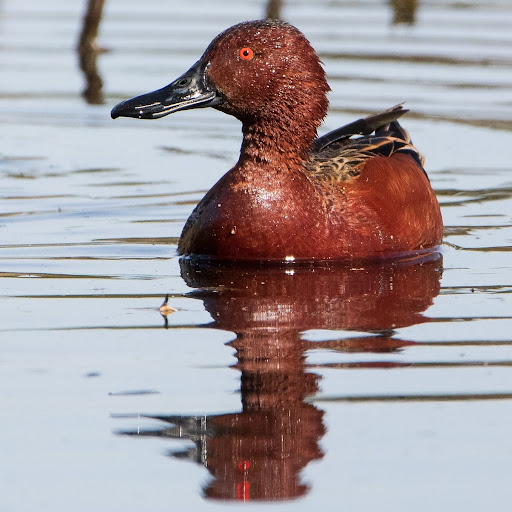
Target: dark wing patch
point(340, 158)
point(364, 126)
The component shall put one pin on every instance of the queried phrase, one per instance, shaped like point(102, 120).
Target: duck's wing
point(339, 157)
point(363, 126)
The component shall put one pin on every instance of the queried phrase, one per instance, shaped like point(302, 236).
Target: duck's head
point(255, 71)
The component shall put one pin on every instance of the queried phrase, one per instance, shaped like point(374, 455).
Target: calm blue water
point(342, 388)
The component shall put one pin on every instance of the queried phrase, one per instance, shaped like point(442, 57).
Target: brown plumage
point(359, 192)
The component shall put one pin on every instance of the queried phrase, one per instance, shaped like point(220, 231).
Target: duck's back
point(356, 198)
point(378, 186)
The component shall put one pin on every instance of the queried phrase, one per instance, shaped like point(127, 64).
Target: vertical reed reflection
point(260, 452)
point(88, 51)
point(273, 10)
point(404, 11)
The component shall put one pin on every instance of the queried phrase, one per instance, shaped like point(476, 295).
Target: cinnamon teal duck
point(357, 193)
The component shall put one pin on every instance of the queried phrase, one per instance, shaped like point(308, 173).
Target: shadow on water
point(259, 453)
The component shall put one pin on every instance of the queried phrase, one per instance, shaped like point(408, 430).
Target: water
point(341, 388)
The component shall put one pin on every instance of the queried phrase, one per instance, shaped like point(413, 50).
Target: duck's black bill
point(190, 90)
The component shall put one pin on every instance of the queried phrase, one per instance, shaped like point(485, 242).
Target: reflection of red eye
point(246, 53)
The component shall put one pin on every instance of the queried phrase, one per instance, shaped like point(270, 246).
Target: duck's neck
point(276, 143)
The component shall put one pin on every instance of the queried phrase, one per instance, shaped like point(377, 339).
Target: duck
point(359, 192)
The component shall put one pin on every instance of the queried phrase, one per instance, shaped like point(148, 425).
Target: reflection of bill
point(260, 452)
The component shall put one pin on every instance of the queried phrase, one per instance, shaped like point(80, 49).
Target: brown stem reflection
point(273, 10)
point(88, 51)
point(259, 453)
point(404, 11)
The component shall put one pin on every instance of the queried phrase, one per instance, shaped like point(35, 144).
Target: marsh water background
point(351, 388)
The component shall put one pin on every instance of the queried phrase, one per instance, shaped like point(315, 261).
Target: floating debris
point(165, 309)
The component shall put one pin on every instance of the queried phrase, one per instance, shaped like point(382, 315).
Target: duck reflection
point(259, 453)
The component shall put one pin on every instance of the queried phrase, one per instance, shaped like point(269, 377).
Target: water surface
point(354, 388)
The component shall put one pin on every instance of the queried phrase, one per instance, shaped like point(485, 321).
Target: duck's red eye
point(246, 53)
